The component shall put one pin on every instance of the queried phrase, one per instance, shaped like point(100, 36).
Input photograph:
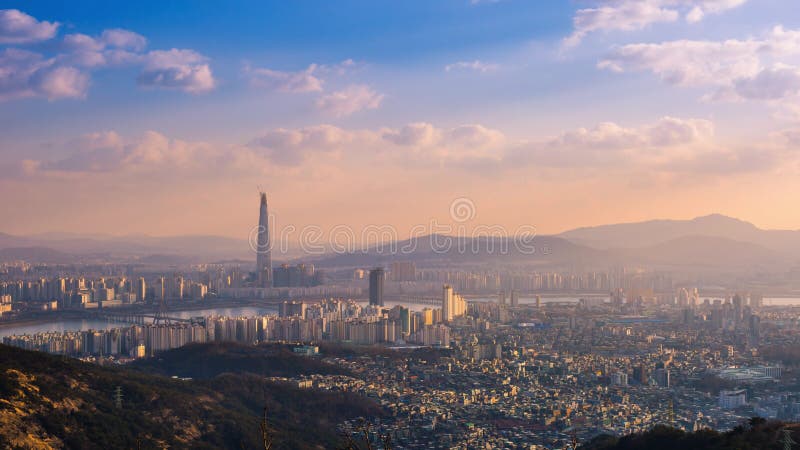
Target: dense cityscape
point(525, 360)
point(400, 225)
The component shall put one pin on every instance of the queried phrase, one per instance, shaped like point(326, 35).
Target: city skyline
point(481, 224)
point(557, 116)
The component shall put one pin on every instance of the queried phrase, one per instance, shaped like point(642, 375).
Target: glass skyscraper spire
point(264, 249)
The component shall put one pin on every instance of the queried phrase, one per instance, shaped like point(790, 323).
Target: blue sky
point(658, 108)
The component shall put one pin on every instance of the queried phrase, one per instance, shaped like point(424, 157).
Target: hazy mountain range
point(707, 242)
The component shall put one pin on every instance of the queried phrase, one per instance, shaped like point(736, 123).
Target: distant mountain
point(437, 250)
point(650, 233)
point(36, 254)
point(705, 252)
point(700, 253)
point(707, 242)
point(205, 248)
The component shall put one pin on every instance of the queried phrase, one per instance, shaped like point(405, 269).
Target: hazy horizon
point(58, 234)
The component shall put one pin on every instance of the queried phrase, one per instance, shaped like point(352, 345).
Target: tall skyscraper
point(453, 305)
point(141, 289)
point(376, 277)
point(264, 249)
point(447, 303)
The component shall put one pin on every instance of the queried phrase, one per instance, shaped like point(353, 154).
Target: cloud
point(178, 69)
point(26, 74)
point(124, 39)
point(66, 72)
point(476, 65)
point(626, 15)
point(414, 142)
point(350, 100)
point(669, 147)
point(631, 15)
point(419, 134)
point(150, 154)
point(673, 131)
point(608, 145)
point(738, 69)
point(665, 143)
point(16, 27)
point(769, 84)
point(294, 82)
point(292, 147)
point(310, 79)
point(688, 63)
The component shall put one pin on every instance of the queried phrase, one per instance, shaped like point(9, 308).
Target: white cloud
point(65, 74)
point(688, 63)
point(474, 136)
point(419, 134)
point(16, 27)
point(124, 39)
point(670, 146)
point(295, 82)
point(27, 74)
point(631, 15)
point(770, 84)
point(113, 47)
point(292, 147)
point(736, 68)
point(476, 65)
point(184, 70)
point(673, 131)
point(609, 145)
point(625, 15)
point(350, 100)
point(152, 153)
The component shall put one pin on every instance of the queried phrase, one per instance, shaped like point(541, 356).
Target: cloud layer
point(735, 69)
point(16, 27)
point(630, 15)
point(66, 73)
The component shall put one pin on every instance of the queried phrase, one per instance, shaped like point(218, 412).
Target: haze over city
point(416, 224)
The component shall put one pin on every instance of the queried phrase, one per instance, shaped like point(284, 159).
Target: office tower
point(403, 271)
point(453, 305)
point(514, 298)
point(501, 299)
point(141, 289)
point(376, 277)
point(663, 377)
point(447, 303)
point(301, 275)
point(263, 248)
point(738, 306)
point(292, 309)
point(405, 321)
point(538, 301)
point(160, 289)
point(175, 287)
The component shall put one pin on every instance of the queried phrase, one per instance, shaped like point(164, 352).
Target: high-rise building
point(263, 248)
point(404, 271)
point(376, 277)
point(447, 303)
point(453, 305)
point(141, 289)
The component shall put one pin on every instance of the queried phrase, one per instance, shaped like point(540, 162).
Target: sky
point(141, 117)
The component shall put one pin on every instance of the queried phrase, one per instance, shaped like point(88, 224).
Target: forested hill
point(758, 434)
point(48, 401)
